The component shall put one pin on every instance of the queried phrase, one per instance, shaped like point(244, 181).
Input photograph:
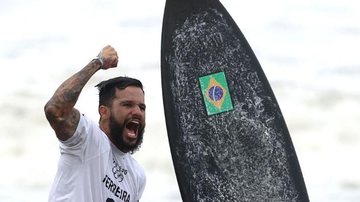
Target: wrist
point(100, 61)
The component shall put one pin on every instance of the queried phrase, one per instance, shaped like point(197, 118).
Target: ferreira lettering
point(116, 190)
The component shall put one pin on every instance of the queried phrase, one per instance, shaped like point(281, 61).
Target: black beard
point(116, 132)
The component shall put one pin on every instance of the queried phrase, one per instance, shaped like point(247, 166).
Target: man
point(95, 162)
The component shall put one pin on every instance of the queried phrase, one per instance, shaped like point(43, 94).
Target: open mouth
point(133, 128)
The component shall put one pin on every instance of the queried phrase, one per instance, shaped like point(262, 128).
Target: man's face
point(127, 119)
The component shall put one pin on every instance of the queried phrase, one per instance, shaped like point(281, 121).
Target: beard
point(116, 132)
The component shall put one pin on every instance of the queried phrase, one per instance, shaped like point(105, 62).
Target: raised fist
point(109, 57)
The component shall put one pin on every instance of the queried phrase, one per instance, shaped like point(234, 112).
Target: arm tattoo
point(60, 110)
point(70, 95)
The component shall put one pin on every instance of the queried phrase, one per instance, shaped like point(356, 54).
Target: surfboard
point(227, 135)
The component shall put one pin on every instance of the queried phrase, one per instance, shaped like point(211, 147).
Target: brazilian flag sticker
point(216, 93)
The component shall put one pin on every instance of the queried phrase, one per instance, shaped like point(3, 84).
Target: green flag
point(216, 93)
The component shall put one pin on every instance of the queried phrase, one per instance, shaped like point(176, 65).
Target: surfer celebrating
point(96, 162)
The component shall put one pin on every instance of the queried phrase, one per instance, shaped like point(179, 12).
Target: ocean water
point(308, 50)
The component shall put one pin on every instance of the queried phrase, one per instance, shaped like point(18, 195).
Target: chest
point(119, 180)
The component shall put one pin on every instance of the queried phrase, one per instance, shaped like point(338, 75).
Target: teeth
point(133, 127)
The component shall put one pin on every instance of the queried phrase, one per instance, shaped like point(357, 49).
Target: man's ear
point(104, 112)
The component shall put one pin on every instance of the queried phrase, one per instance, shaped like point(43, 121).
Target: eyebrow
point(132, 102)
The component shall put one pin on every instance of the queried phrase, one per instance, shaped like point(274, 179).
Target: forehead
point(130, 93)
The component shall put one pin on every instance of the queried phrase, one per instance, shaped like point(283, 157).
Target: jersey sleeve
point(75, 146)
point(85, 142)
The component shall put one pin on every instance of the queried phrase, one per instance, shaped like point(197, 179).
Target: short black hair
point(107, 88)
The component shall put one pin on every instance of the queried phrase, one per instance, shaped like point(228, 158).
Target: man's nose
point(137, 110)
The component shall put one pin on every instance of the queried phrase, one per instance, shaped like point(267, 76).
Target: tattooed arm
point(59, 110)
